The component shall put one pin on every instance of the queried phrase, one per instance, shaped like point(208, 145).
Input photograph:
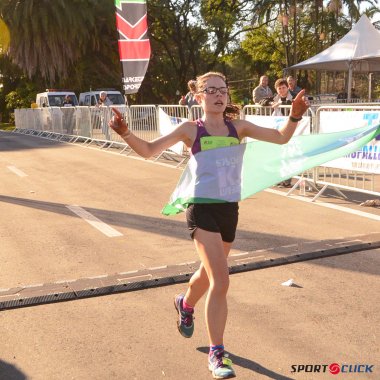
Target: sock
point(187, 307)
point(215, 347)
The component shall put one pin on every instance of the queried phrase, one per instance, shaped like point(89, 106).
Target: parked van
point(91, 98)
point(54, 98)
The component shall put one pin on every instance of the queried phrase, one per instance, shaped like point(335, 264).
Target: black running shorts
point(214, 217)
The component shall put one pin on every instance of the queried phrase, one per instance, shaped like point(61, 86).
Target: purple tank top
point(202, 132)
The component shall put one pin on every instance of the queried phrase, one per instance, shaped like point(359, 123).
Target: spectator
point(68, 115)
point(262, 90)
point(354, 95)
point(68, 102)
point(342, 96)
point(283, 97)
point(293, 88)
point(189, 99)
point(104, 100)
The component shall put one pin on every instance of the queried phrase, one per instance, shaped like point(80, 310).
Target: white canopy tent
point(358, 50)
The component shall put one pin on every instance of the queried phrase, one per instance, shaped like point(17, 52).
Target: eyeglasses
point(213, 90)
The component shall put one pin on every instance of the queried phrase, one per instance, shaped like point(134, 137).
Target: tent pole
point(370, 86)
point(349, 82)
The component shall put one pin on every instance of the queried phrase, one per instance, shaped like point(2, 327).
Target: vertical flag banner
point(134, 45)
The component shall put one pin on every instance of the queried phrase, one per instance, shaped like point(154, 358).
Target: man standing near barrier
point(293, 88)
point(262, 90)
point(212, 226)
point(283, 98)
point(104, 100)
point(189, 99)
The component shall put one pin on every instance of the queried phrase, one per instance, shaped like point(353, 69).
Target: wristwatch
point(294, 119)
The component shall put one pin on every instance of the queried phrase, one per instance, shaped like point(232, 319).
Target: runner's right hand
point(117, 122)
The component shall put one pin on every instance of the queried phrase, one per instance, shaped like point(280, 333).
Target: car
point(54, 98)
point(91, 98)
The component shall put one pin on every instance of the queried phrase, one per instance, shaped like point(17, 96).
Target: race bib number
point(213, 142)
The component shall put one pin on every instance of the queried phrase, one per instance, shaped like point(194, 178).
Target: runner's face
point(216, 102)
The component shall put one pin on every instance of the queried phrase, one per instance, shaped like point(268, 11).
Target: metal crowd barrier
point(330, 176)
point(143, 121)
point(269, 111)
point(323, 177)
point(90, 124)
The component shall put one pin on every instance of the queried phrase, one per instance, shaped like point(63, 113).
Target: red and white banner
point(134, 45)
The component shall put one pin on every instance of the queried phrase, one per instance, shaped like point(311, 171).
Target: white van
point(54, 98)
point(91, 98)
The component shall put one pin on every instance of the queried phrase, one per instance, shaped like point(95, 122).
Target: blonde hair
point(192, 85)
point(232, 111)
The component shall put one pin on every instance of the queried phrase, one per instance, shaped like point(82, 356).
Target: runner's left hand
point(299, 105)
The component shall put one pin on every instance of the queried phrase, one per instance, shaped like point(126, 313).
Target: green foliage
point(20, 98)
point(13, 80)
point(73, 44)
point(7, 126)
point(270, 60)
point(64, 43)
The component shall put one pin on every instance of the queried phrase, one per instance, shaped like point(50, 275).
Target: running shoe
point(220, 365)
point(185, 321)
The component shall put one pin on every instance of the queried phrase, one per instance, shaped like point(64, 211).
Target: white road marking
point(94, 221)
point(64, 281)
point(131, 271)
point(248, 259)
point(157, 268)
point(100, 276)
point(19, 172)
point(327, 205)
point(239, 254)
point(32, 286)
point(140, 278)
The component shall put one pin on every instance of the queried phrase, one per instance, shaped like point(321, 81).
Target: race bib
point(213, 142)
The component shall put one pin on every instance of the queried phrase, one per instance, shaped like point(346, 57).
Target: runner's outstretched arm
point(282, 135)
point(144, 148)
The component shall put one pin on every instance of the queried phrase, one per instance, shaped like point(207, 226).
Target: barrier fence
point(360, 172)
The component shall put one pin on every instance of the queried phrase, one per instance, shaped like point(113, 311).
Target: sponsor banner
point(276, 122)
point(167, 124)
point(367, 158)
point(234, 173)
point(134, 45)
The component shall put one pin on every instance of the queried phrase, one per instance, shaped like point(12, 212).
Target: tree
point(50, 37)
point(190, 37)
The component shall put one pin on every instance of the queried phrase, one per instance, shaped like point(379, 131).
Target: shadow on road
point(11, 142)
point(251, 365)
point(164, 226)
point(10, 372)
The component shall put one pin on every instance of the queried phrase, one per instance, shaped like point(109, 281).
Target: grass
point(7, 126)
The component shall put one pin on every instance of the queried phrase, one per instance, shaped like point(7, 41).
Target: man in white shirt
point(262, 90)
point(104, 100)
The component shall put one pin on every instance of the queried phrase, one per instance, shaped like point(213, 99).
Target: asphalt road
point(331, 316)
